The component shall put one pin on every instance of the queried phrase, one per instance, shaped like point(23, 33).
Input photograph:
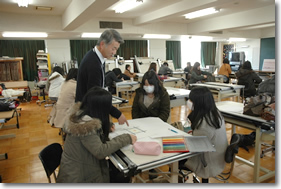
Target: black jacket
point(248, 78)
point(90, 74)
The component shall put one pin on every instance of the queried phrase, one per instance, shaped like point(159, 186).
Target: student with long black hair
point(206, 120)
point(248, 77)
point(87, 144)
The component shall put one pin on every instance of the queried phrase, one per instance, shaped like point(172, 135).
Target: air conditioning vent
point(114, 25)
point(216, 32)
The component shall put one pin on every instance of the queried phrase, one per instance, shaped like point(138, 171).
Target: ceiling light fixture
point(127, 5)
point(156, 36)
point(90, 35)
point(23, 3)
point(200, 13)
point(24, 34)
point(44, 8)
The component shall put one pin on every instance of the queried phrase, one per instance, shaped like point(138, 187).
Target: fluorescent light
point(156, 36)
point(237, 39)
point(200, 13)
point(24, 34)
point(90, 35)
point(126, 5)
point(23, 3)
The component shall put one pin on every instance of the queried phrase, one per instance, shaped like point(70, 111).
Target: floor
point(24, 166)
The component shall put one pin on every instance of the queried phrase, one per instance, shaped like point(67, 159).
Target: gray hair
point(108, 35)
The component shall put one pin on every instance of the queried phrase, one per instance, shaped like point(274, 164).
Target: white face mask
point(190, 105)
point(149, 89)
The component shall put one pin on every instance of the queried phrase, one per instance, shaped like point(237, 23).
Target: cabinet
point(11, 69)
point(44, 65)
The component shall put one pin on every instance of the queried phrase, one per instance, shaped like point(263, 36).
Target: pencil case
point(147, 148)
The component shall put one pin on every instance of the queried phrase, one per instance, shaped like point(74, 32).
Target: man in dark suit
point(91, 70)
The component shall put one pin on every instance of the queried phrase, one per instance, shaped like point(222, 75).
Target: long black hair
point(204, 107)
point(72, 74)
point(97, 104)
point(152, 79)
point(195, 68)
point(247, 65)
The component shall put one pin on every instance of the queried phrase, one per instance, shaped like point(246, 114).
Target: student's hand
point(134, 138)
point(122, 119)
point(112, 128)
point(205, 76)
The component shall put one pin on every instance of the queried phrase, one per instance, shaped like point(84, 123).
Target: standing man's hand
point(122, 119)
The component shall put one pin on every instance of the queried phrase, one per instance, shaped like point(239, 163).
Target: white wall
point(59, 50)
point(157, 49)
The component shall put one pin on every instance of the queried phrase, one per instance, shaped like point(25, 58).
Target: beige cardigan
point(65, 101)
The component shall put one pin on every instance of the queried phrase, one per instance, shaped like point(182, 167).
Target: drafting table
point(173, 82)
point(147, 129)
point(179, 74)
point(4, 116)
point(222, 90)
point(233, 114)
point(178, 97)
point(127, 86)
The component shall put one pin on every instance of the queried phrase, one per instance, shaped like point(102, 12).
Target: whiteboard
point(268, 65)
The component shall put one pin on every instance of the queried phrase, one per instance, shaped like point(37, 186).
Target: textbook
point(187, 144)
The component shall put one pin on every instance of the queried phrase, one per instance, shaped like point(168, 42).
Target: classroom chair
point(50, 157)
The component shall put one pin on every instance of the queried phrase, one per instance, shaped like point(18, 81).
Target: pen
point(173, 130)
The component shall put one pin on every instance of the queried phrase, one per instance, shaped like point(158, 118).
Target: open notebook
point(187, 144)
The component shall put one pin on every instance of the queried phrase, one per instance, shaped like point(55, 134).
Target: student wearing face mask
point(152, 99)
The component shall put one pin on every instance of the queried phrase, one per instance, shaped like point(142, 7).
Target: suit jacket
point(90, 74)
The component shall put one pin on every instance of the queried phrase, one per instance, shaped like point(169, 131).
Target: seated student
point(54, 83)
point(206, 120)
point(225, 70)
point(128, 72)
point(153, 66)
point(187, 71)
point(113, 76)
point(164, 69)
point(66, 98)
point(248, 77)
point(151, 99)
point(197, 75)
point(87, 144)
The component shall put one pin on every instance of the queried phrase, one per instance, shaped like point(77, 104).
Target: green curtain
point(26, 49)
point(133, 47)
point(208, 53)
point(173, 52)
point(78, 48)
point(127, 50)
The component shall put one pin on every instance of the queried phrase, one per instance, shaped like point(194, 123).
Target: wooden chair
point(50, 157)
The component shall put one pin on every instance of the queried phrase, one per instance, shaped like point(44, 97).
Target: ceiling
point(69, 18)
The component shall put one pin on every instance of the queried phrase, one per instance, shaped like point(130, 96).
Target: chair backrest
point(231, 151)
point(50, 157)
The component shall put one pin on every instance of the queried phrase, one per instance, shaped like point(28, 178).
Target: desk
point(179, 74)
point(127, 86)
point(222, 90)
point(149, 128)
point(4, 116)
point(233, 114)
point(173, 82)
point(178, 97)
